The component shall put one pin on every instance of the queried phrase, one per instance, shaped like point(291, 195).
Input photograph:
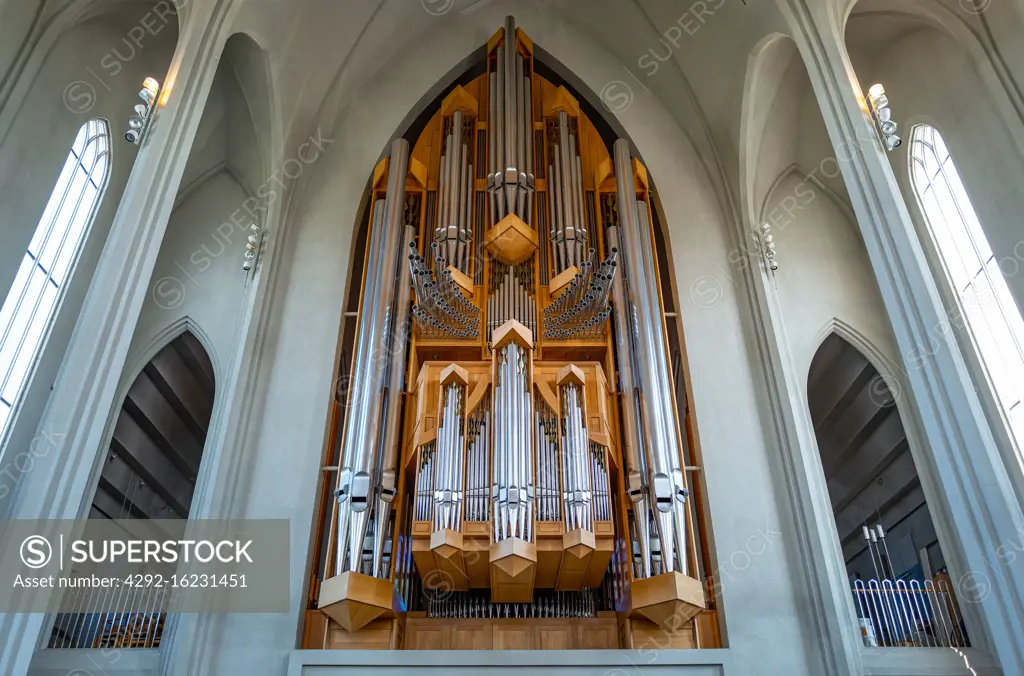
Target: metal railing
point(132, 618)
point(909, 614)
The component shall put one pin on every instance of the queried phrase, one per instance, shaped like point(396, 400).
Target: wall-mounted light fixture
point(878, 102)
point(139, 123)
point(252, 247)
point(766, 240)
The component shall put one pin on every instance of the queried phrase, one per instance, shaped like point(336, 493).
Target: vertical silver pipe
point(513, 498)
point(443, 196)
point(399, 340)
point(492, 135)
point(582, 231)
point(633, 452)
point(555, 181)
point(455, 174)
point(673, 444)
point(654, 373)
point(510, 96)
point(565, 192)
point(499, 134)
point(528, 124)
point(356, 480)
point(577, 198)
point(521, 139)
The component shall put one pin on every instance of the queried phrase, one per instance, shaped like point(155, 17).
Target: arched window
point(28, 311)
point(991, 316)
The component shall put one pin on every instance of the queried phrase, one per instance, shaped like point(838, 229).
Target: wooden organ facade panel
point(511, 466)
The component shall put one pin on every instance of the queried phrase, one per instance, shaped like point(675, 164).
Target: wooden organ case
point(511, 470)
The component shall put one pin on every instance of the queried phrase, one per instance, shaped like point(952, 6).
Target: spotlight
point(766, 240)
point(139, 123)
point(877, 95)
point(252, 247)
point(878, 103)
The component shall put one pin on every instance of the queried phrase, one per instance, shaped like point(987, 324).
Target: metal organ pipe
point(549, 486)
point(442, 311)
point(577, 486)
point(449, 468)
point(396, 343)
point(632, 423)
point(454, 229)
point(511, 180)
point(666, 482)
point(478, 457)
point(513, 490)
point(358, 477)
point(568, 217)
point(582, 309)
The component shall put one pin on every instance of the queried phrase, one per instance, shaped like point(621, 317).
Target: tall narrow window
point(993, 319)
point(30, 306)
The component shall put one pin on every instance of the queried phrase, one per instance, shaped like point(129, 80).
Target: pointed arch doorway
point(149, 472)
point(898, 574)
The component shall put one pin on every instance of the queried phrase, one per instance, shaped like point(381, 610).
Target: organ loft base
point(499, 471)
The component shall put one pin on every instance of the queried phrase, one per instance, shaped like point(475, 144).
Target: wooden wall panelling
point(600, 633)
point(512, 635)
point(471, 635)
point(649, 636)
point(554, 634)
point(426, 634)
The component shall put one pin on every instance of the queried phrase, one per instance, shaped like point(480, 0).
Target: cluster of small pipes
point(512, 492)
point(546, 604)
point(510, 176)
point(425, 483)
point(450, 460)
point(512, 296)
point(602, 493)
point(549, 498)
point(566, 202)
point(455, 195)
point(576, 484)
point(580, 312)
point(442, 311)
point(478, 453)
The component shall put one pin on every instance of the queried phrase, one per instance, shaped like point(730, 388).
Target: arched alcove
point(897, 571)
point(149, 472)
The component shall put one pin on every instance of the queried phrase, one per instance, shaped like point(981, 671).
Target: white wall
point(824, 272)
point(198, 274)
point(34, 151)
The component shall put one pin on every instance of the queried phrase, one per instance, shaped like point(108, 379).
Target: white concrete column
point(963, 456)
point(62, 479)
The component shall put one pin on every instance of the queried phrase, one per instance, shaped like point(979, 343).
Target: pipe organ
point(511, 448)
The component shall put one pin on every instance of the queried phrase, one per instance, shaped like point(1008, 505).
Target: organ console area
point(510, 468)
